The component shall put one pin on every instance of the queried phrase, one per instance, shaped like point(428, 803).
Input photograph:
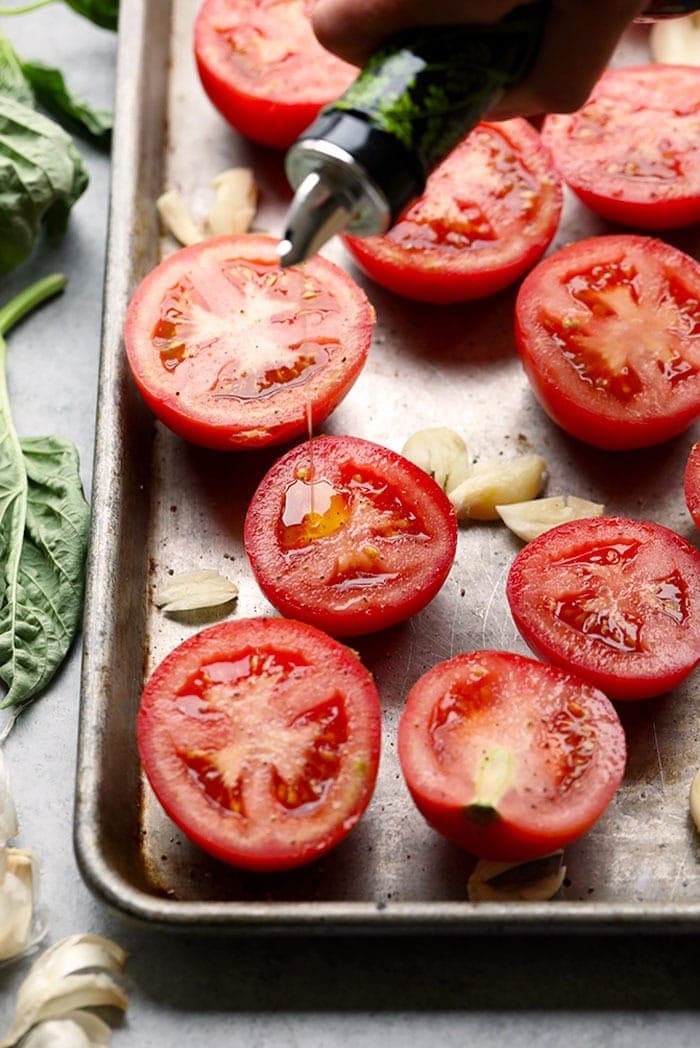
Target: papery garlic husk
point(533, 881)
point(497, 483)
point(190, 590)
point(235, 202)
point(8, 813)
point(16, 901)
point(529, 519)
point(177, 220)
point(441, 453)
point(77, 1029)
point(77, 972)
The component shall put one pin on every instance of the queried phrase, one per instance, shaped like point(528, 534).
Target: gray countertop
point(614, 991)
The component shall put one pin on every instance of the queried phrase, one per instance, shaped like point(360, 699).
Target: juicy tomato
point(631, 153)
point(609, 334)
point(615, 600)
point(264, 69)
point(349, 536)
point(507, 757)
point(488, 213)
point(260, 738)
point(691, 484)
point(231, 351)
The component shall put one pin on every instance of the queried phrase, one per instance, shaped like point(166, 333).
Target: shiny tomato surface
point(608, 330)
point(488, 213)
point(231, 351)
point(507, 757)
point(349, 536)
point(616, 601)
point(263, 68)
point(260, 738)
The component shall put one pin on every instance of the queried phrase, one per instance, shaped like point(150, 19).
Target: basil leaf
point(52, 94)
point(101, 12)
point(12, 79)
point(41, 176)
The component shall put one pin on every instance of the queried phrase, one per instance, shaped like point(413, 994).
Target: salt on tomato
point(608, 330)
point(631, 153)
point(507, 757)
point(349, 536)
point(489, 211)
point(616, 601)
point(263, 68)
point(691, 484)
point(231, 351)
point(260, 739)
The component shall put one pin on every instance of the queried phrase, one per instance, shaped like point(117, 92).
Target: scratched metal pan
point(160, 505)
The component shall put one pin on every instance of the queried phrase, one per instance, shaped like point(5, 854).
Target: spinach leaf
point(43, 538)
point(52, 94)
point(12, 79)
point(101, 12)
point(41, 176)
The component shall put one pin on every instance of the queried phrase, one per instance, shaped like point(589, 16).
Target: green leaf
point(12, 79)
point(41, 176)
point(45, 543)
point(101, 12)
point(52, 94)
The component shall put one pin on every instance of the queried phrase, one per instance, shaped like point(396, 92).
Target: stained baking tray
point(161, 504)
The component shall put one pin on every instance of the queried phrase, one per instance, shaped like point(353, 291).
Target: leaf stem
point(26, 8)
point(23, 303)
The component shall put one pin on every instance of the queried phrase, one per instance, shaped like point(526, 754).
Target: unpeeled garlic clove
point(235, 202)
point(8, 813)
point(676, 41)
point(441, 453)
point(496, 483)
point(695, 800)
point(529, 519)
point(532, 881)
point(176, 218)
point(16, 901)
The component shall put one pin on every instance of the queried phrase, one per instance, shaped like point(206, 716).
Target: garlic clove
point(235, 202)
point(695, 800)
point(440, 452)
point(77, 1029)
point(8, 813)
point(177, 220)
point(496, 483)
point(529, 519)
point(676, 41)
point(532, 881)
point(190, 590)
point(16, 901)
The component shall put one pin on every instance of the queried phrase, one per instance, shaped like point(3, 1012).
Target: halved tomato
point(231, 351)
point(263, 68)
point(489, 211)
point(260, 738)
point(691, 484)
point(616, 601)
point(608, 330)
point(507, 757)
point(349, 536)
point(631, 152)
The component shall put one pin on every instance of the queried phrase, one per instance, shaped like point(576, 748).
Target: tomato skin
point(564, 741)
point(263, 68)
point(630, 154)
point(266, 835)
point(615, 600)
point(691, 484)
point(621, 370)
point(381, 546)
point(222, 316)
point(489, 212)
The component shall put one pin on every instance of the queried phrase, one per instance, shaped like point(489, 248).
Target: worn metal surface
point(160, 505)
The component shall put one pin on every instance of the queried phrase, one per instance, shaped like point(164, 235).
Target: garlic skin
point(676, 41)
point(16, 901)
point(76, 973)
point(177, 220)
point(496, 483)
point(8, 813)
point(534, 881)
point(235, 202)
point(441, 453)
point(191, 590)
point(529, 519)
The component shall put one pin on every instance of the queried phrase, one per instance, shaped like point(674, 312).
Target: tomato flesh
point(231, 351)
point(616, 601)
point(263, 68)
point(349, 536)
point(691, 484)
point(631, 153)
point(507, 757)
point(260, 738)
point(608, 330)
point(488, 213)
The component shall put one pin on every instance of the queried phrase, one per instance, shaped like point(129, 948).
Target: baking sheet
point(162, 505)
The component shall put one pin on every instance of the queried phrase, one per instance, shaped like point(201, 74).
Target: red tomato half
point(609, 334)
point(616, 601)
point(231, 351)
point(507, 757)
point(631, 153)
point(260, 738)
point(691, 484)
point(264, 69)
point(349, 536)
point(488, 214)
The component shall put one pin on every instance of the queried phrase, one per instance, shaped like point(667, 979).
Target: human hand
point(577, 43)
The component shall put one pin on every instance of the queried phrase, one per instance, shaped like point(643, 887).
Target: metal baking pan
point(161, 504)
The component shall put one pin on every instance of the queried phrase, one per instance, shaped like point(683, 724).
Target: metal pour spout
point(318, 211)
